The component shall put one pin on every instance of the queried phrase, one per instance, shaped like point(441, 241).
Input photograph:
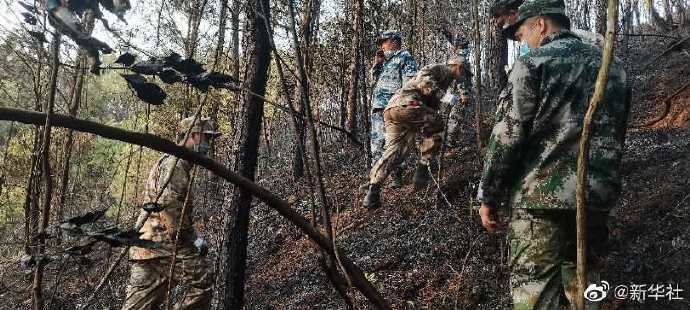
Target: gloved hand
point(152, 207)
point(201, 246)
point(450, 99)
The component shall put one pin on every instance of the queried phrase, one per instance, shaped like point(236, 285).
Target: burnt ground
point(422, 253)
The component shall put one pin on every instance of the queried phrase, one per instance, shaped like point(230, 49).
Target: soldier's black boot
point(421, 177)
point(373, 198)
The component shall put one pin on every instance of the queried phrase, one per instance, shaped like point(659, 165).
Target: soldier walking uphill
point(392, 67)
point(532, 157)
point(413, 109)
point(148, 282)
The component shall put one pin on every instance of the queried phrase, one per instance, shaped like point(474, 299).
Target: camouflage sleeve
point(409, 68)
point(175, 193)
point(514, 117)
point(425, 82)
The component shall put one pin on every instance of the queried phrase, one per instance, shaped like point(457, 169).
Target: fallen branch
point(667, 107)
point(646, 35)
point(159, 144)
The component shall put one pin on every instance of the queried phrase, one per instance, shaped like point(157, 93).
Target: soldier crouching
point(413, 109)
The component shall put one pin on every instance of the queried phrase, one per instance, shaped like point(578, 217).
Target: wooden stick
point(583, 154)
point(667, 107)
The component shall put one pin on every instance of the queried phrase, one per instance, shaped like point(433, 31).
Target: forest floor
point(422, 253)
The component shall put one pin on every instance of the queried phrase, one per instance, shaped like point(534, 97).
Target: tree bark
point(583, 154)
point(600, 22)
point(497, 58)
point(257, 77)
point(354, 67)
point(478, 75)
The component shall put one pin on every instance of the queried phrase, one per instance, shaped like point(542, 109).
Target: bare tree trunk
point(302, 59)
point(73, 108)
point(257, 77)
point(497, 58)
point(37, 295)
point(354, 67)
point(478, 75)
point(583, 154)
point(4, 157)
point(31, 198)
point(600, 21)
point(309, 11)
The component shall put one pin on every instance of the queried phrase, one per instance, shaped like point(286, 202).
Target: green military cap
point(389, 34)
point(531, 8)
point(202, 125)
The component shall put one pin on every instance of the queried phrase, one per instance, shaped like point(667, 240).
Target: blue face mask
point(523, 49)
point(203, 147)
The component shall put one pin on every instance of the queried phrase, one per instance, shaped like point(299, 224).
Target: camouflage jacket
point(162, 226)
point(427, 87)
point(389, 76)
point(532, 151)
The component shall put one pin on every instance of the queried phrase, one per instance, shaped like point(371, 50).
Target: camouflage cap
point(531, 8)
point(389, 34)
point(202, 125)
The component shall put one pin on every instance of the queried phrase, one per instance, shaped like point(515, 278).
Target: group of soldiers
point(527, 185)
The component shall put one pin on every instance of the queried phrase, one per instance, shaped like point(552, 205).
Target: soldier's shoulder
point(405, 54)
point(168, 161)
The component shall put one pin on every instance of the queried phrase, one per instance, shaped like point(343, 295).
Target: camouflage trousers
point(402, 125)
point(377, 134)
point(148, 283)
point(542, 256)
point(459, 121)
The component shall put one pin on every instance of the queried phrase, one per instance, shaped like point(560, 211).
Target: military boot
point(373, 198)
point(396, 179)
point(421, 177)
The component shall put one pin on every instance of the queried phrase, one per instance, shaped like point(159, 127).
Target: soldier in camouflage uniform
point(413, 109)
point(459, 109)
point(148, 282)
point(392, 67)
point(531, 160)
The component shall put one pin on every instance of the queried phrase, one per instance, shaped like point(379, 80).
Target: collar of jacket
point(558, 35)
point(394, 54)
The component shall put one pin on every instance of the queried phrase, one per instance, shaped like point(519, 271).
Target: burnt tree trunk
point(478, 75)
point(600, 11)
point(257, 78)
point(497, 58)
point(354, 67)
